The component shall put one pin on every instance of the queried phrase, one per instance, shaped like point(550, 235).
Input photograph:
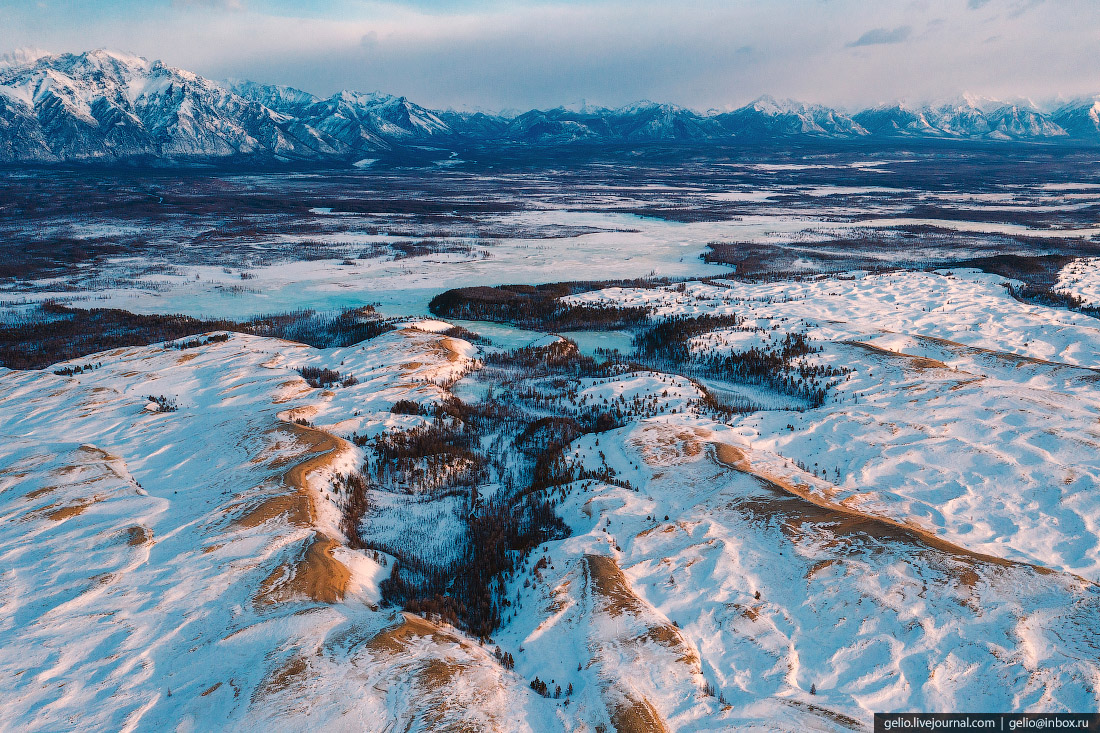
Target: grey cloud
point(708, 53)
point(1022, 7)
point(877, 36)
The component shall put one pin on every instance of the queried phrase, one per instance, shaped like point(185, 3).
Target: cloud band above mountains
point(492, 54)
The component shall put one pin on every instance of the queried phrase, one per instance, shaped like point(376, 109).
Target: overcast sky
point(493, 55)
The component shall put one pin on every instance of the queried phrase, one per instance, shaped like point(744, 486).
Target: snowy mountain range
point(103, 106)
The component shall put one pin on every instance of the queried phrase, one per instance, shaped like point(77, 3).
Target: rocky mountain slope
point(105, 106)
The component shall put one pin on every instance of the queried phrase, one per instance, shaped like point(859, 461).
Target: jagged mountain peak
point(105, 104)
point(581, 106)
point(278, 97)
point(769, 105)
point(117, 64)
point(364, 99)
point(645, 105)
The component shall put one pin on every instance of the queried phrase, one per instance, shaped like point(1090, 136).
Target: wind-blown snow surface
point(188, 568)
point(754, 593)
point(968, 413)
point(1081, 278)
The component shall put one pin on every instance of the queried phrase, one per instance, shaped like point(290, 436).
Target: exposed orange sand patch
point(636, 715)
point(612, 587)
point(559, 598)
point(443, 688)
point(819, 567)
point(298, 386)
point(452, 347)
point(328, 448)
point(731, 457)
point(437, 673)
point(98, 452)
point(839, 718)
point(396, 638)
point(436, 679)
point(138, 535)
point(662, 445)
point(292, 672)
point(40, 492)
point(92, 403)
point(967, 578)
point(918, 363)
point(1016, 360)
point(843, 521)
point(316, 575)
point(71, 510)
point(853, 501)
point(306, 412)
point(449, 348)
point(298, 506)
point(748, 612)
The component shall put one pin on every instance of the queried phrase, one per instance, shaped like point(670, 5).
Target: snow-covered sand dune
point(1081, 278)
point(753, 594)
point(925, 540)
point(186, 570)
point(967, 412)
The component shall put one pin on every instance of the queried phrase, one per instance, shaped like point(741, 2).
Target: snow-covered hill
point(103, 105)
point(968, 413)
point(186, 568)
point(176, 550)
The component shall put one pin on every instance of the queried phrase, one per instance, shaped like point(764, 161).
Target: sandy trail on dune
point(632, 713)
point(848, 520)
point(314, 573)
point(919, 363)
